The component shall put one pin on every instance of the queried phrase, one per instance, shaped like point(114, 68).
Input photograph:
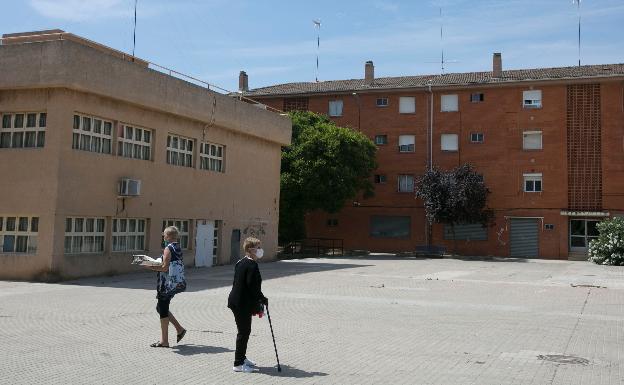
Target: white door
point(204, 243)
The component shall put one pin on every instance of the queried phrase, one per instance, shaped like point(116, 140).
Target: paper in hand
point(144, 260)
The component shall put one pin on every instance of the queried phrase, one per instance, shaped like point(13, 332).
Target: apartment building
point(100, 152)
point(549, 142)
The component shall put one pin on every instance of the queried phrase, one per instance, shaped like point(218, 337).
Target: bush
point(608, 248)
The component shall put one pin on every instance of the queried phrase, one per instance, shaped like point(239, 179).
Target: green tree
point(324, 167)
point(608, 248)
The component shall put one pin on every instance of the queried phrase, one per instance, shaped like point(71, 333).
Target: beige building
point(99, 152)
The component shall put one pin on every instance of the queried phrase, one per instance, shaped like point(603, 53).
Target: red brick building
point(549, 142)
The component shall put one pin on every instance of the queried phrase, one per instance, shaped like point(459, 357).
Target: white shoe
point(244, 368)
point(249, 362)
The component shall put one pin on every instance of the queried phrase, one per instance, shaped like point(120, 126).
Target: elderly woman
point(170, 282)
point(245, 299)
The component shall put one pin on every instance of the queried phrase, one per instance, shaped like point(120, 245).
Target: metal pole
point(134, 32)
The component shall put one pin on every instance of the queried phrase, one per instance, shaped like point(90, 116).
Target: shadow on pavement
point(192, 350)
point(288, 371)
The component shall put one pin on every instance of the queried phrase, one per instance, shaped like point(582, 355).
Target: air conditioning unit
point(129, 187)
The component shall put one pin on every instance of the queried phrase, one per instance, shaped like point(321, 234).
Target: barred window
point(183, 228)
point(179, 151)
point(84, 235)
point(134, 142)
point(211, 157)
point(128, 234)
point(92, 134)
point(215, 243)
point(18, 234)
point(295, 104)
point(23, 130)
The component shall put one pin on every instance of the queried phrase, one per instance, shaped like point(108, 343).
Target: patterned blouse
point(172, 282)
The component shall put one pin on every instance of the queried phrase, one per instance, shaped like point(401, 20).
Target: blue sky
point(275, 41)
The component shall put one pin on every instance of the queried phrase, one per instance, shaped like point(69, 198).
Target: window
point(215, 242)
point(476, 137)
point(380, 178)
point(92, 134)
point(407, 143)
point(582, 232)
point(449, 142)
point(382, 226)
point(332, 222)
point(335, 108)
point(17, 133)
point(211, 157)
point(532, 182)
point(381, 102)
point(381, 139)
point(295, 104)
point(407, 105)
point(134, 142)
point(532, 140)
point(183, 228)
point(476, 97)
point(128, 234)
point(84, 235)
point(406, 183)
point(466, 232)
point(450, 103)
point(18, 234)
point(532, 99)
point(179, 151)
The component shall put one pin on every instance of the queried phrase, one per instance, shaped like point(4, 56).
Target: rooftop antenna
point(134, 32)
point(317, 25)
point(578, 9)
point(442, 61)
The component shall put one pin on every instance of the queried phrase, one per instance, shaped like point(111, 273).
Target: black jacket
point(247, 287)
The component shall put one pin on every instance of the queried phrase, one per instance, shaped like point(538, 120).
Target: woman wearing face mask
point(245, 299)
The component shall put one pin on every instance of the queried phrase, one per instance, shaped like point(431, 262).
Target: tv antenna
point(317, 25)
point(134, 31)
point(442, 60)
point(578, 9)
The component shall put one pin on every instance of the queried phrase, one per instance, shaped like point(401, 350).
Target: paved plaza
point(361, 320)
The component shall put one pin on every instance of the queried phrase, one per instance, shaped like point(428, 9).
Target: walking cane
point(279, 368)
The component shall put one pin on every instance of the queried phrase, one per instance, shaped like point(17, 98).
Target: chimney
point(497, 65)
point(243, 81)
point(369, 73)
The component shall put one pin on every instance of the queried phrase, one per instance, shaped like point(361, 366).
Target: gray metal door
point(235, 246)
point(524, 237)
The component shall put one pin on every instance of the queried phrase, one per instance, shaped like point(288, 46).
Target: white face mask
point(259, 253)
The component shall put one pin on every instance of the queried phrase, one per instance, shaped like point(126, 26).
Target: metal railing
point(315, 246)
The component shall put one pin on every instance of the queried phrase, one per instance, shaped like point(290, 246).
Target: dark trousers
point(243, 324)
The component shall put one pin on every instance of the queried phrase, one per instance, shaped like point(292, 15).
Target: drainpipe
point(428, 227)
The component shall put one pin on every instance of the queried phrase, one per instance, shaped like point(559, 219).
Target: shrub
point(608, 248)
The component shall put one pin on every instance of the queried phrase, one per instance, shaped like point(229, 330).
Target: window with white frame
point(533, 182)
point(449, 103)
point(92, 134)
point(215, 242)
point(407, 143)
point(211, 157)
point(532, 99)
point(381, 102)
point(84, 235)
point(449, 142)
point(406, 183)
point(407, 105)
point(18, 234)
point(179, 151)
point(134, 142)
point(23, 130)
point(335, 108)
point(128, 234)
point(532, 140)
point(381, 139)
point(183, 229)
point(476, 137)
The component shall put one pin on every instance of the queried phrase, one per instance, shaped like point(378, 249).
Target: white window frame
point(477, 141)
point(445, 146)
point(532, 99)
point(336, 107)
point(212, 157)
point(407, 143)
point(533, 177)
point(76, 235)
point(96, 140)
point(215, 242)
point(525, 136)
point(184, 230)
point(382, 102)
point(382, 142)
point(407, 105)
point(18, 233)
point(128, 234)
point(403, 183)
point(449, 103)
point(134, 142)
point(9, 130)
point(178, 151)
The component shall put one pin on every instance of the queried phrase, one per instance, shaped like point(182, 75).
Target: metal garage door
point(524, 237)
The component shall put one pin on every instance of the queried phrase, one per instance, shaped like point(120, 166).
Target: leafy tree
point(608, 248)
point(324, 167)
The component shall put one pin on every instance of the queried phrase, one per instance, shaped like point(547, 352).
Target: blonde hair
point(250, 243)
point(171, 232)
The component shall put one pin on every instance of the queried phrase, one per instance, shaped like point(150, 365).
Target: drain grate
point(563, 359)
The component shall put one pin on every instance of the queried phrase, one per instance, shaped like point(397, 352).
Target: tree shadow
point(192, 349)
point(288, 371)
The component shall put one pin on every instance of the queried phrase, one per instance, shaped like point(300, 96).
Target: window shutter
point(449, 103)
point(449, 142)
point(407, 105)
